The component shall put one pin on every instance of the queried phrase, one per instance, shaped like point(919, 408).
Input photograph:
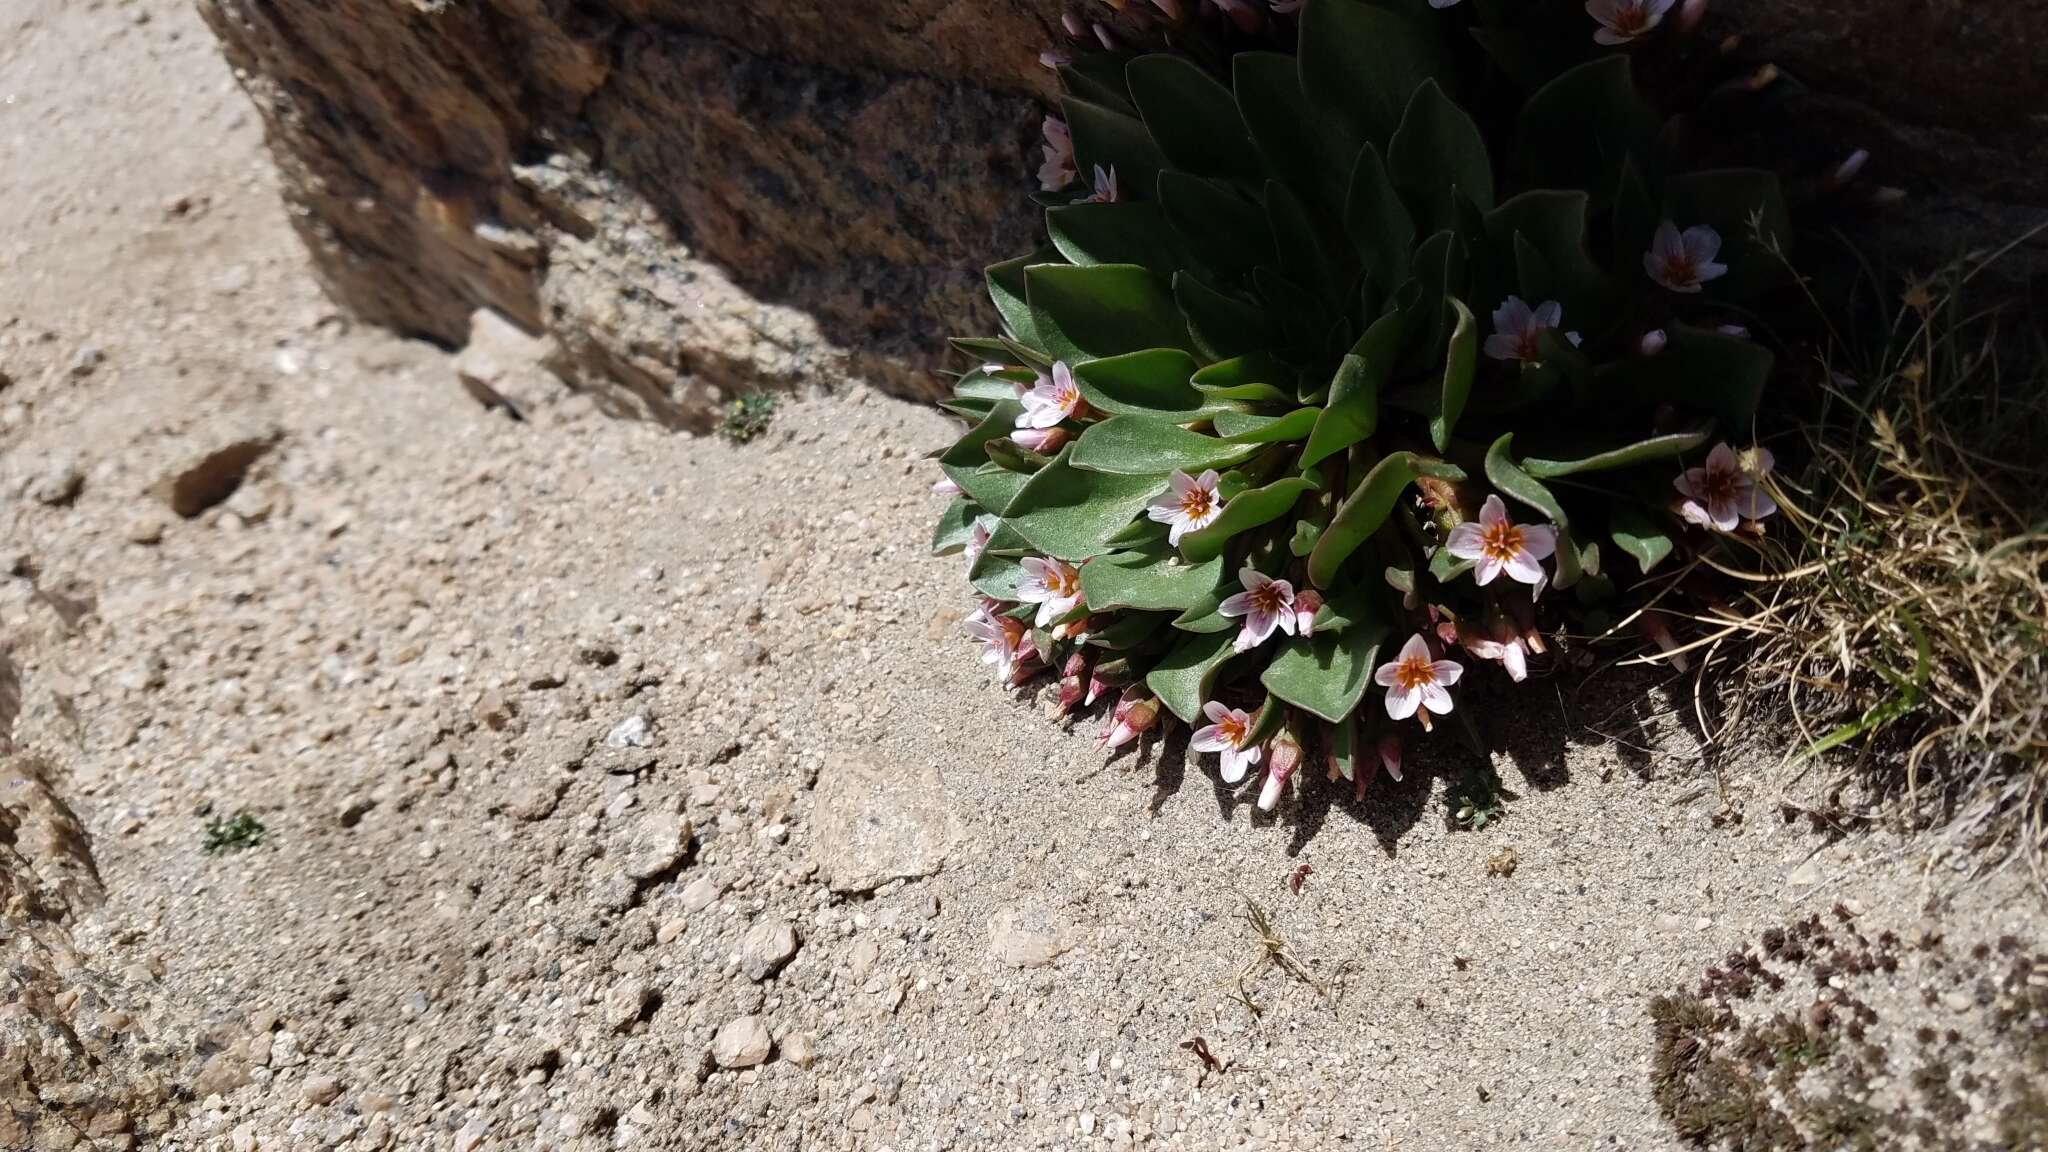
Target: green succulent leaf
point(1245, 511)
point(1666, 447)
point(1518, 485)
point(1154, 582)
point(1306, 533)
point(1460, 361)
point(1250, 428)
point(1011, 456)
point(1102, 310)
point(1577, 130)
point(1070, 513)
point(1352, 413)
point(971, 450)
point(1304, 258)
point(1098, 77)
point(989, 485)
point(1131, 232)
point(1438, 148)
point(1361, 515)
point(1183, 678)
point(1217, 223)
point(1640, 537)
point(1298, 145)
point(997, 571)
point(1722, 375)
point(1378, 222)
point(1553, 225)
point(1361, 61)
point(1256, 378)
point(1341, 610)
point(1115, 140)
point(955, 527)
point(1326, 675)
point(1006, 288)
point(1146, 446)
point(1129, 630)
point(1192, 118)
point(1155, 382)
point(1222, 326)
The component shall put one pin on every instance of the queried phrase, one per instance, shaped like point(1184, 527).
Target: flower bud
point(1044, 441)
point(1107, 40)
point(1283, 756)
point(1134, 716)
point(1653, 342)
point(1053, 60)
point(1072, 23)
point(1307, 603)
point(1073, 678)
point(1690, 13)
point(1390, 754)
point(1169, 9)
point(1653, 626)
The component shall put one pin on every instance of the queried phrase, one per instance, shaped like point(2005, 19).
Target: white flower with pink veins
point(1413, 680)
point(1059, 170)
point(1053, 585)
point(1005, 641)
point(1496, 544)
point(1720, 495)
point(1517, 328)
point(1228, 733)
point(1266, 604)
point(1625, 21)
point(1189, 504)
point(1683, 261)
point(1052, 399)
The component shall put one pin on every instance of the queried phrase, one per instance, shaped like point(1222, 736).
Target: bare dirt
point(626, 789)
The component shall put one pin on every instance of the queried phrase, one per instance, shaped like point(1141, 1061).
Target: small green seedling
point(239, 832)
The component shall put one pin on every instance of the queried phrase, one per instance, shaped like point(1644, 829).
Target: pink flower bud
point(1848, 169)
point(1169, 9)
point(1044, 441)
point(1390, 754)
point(1026, 667)
point(1283, 756)
point(1653, 342)
point(1690, 13)
point(1107, 40)
point(1073, 25)
point(1135, 714)
point(1052, 60)
point(1307, 603)
point(1653, 626)
point(1073, 677)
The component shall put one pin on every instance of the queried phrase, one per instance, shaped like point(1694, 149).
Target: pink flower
point(1413, 680)
point(1653, 626)
point(1135, 714)
point(1682, 261)
point(1721, 494)
point(977, 538)
point(1505, 645)
point(1265, 604)
point(1653, 342)
point(1044, 441)
point(1227, 732)
point(1188, 504)
point(1105, 187)
point(1494, 543)
point(1006, 642)
point(1623, 21)
point(1390, 754)
point(1053, 585)
point(945, 487)
point(1058, 171)
point(1074, 677)
point(1053, 399)
point(1516, 328)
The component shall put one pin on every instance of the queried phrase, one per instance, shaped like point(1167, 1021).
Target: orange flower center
point(1679, 269)
point(1501, 541)
point(1061, 580)
point(1631, 19)
point(1267, 599)
point(1196, 502)
point(1413, 672)
point(1233, 730)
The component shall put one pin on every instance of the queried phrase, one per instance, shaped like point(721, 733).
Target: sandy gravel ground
point(629, 790)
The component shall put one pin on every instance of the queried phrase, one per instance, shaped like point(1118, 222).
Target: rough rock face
point(696, 196)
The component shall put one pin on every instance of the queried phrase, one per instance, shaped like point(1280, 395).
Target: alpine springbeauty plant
point(1373, 340)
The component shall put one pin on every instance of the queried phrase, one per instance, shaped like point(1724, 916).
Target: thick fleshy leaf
point(988, 485)
point(1553, 224)
point(1304, 257)
point(1460, 360)
point(1129, 630)
point(1102, 310)
point(1245, 511)
point(955, 527)
point(1183, 678)
point(1257, 378)
point(1192, 118)
point(1341, 610)
point(1701, 370)
point(970, 451)
point(1217, 223)
point(1439, 273)
point(1378, 222)
point(1154, 582)
point(1352, 412)
point(1071, 514)
point(1098, 77)
point(1438, 148)
point(1306, 533)
point(1639, 536)
point(1667, 447)
point(1109, 139)
point(1633, 222)
point(1155, 382)
point(1250, 428)
point(1518, 485)
point(1220, 325)
point(1307, 151)
point(1123, 233)
point(1362, 61)
point(1006, 288)
point(996, 572)
point(1146, 446)
point(1728, 200)
point(1366, 509)
point(1007, 454)
point(1326, 675)
point(1576, 131)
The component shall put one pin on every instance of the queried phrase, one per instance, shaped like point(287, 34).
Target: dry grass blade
point(1273, 951)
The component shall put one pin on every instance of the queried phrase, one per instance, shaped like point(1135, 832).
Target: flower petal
point(1436, 699)
point(1402, 702)
point(1464, 542)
